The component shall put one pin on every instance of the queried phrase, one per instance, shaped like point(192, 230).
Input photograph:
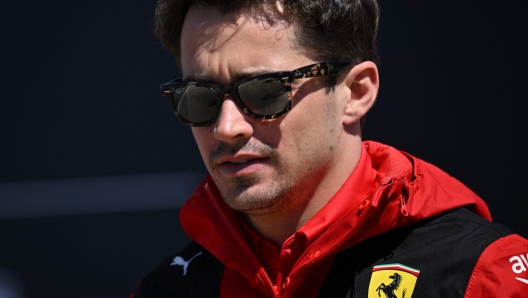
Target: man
point(297, 205)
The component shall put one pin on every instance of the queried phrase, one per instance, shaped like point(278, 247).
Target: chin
point(255, 200)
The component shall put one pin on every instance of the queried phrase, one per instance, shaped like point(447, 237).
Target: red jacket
point(405, 190)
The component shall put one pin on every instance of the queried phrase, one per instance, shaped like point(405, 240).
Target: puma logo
point(180, 261)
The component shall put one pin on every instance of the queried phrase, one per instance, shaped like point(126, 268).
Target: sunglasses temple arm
point(320, 69)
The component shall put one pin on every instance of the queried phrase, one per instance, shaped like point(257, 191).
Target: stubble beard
point(273, 197)
point(251, 194)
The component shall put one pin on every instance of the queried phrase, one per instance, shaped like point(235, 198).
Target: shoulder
point(442, 254)
point(183, 274)
point(471, 255)
point(501, 270)
point(464, 221)
point(460, 232)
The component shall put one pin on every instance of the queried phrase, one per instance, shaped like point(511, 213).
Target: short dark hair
point(329, 30)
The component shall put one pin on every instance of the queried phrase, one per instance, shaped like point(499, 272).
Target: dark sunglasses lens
point(196, 104)
point(264, 96)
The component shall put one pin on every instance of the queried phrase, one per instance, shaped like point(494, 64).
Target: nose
point(232, 124)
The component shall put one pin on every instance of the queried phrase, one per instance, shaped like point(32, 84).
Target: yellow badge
point(392, 281)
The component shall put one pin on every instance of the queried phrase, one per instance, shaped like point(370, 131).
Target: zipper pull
point(403, 206)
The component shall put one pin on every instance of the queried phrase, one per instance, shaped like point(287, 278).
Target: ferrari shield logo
point(392, 281)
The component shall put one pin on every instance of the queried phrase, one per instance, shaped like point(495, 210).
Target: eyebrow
point(206, 78)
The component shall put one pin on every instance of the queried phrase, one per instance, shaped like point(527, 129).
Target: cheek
point(312, 128)
point(311, 117)
point(299, 135)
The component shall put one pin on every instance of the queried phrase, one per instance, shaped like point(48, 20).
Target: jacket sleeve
point(501, 270)
point(193, 272)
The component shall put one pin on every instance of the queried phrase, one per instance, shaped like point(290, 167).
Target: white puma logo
point(180, 261)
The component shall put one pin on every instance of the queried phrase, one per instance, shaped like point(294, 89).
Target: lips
point(239, 158)
point(242, 161)
point(241, 165)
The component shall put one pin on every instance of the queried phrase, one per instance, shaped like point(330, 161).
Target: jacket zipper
point(403, 205)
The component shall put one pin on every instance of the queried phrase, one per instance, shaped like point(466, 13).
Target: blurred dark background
point(94, 165)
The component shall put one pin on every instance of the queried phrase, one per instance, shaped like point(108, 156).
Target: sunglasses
point(266, 96)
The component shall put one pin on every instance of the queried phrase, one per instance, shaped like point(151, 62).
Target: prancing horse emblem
point(392, 281)
point(388, 290)
point(180, 261)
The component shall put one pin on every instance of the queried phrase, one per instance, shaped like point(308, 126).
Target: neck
point(280, 225)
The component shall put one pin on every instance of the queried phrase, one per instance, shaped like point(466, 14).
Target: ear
point(362, 83)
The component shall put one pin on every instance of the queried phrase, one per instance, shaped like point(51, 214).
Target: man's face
point(260, 166)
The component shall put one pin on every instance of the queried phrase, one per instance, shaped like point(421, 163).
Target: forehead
point(225, 47)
